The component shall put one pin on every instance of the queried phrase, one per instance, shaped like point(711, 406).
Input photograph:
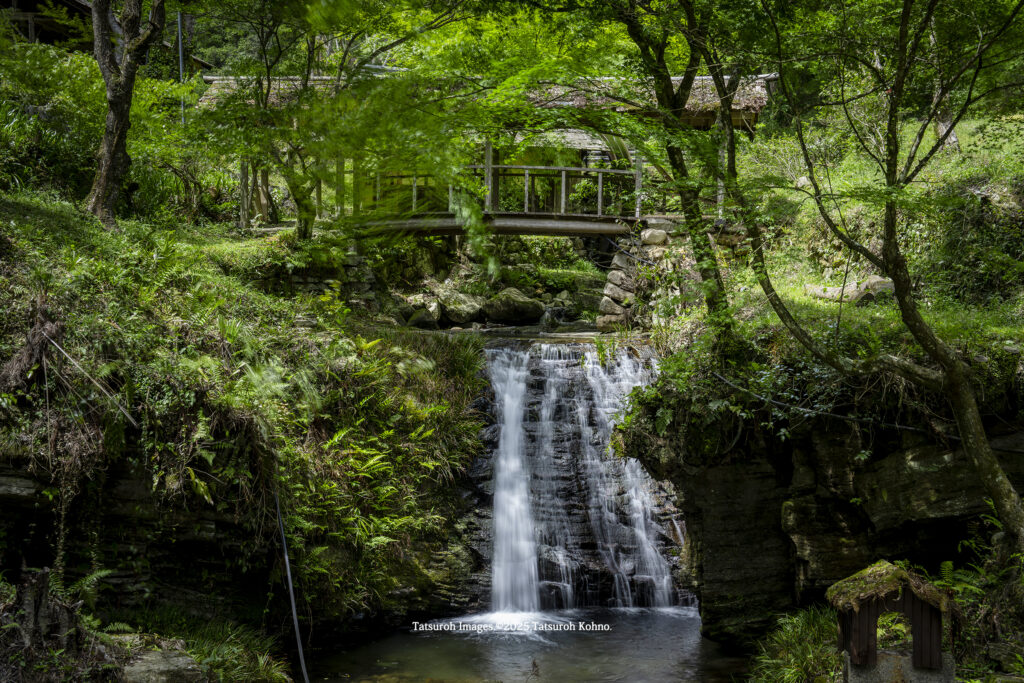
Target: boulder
point(617, 293)
point(622, 261)
point(608, 323)
point(18, 490)
point(609, 307)
point(512, 306)
point(461, 308)
point(620, 279)
point(427, 302)
point(653, 236)
point(857, 292)
point(163, 666)
point(422, 319)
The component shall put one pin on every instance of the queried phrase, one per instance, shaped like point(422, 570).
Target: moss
point(880, 581)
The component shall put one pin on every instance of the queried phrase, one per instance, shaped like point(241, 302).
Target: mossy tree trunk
point(120, 45)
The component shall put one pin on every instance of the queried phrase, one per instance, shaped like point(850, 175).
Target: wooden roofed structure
point(549, 193)
point(883, 587)
point(751, 97)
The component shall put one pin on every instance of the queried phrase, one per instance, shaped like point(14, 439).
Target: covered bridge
point(602, 194)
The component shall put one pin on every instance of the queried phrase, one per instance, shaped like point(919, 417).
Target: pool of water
point(595, 645)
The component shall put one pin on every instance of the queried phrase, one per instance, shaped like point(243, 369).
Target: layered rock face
point(770, 525)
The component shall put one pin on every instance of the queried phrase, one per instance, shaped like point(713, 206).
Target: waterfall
point(574, 526)
point(515, 583)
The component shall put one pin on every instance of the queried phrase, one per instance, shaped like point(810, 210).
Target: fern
point(86, 588)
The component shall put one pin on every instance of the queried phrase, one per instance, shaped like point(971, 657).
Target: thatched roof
point(751, 95)
point(882, 581)
point(571, 138)
point(283, 89)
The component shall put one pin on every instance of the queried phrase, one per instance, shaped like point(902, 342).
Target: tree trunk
point(977, 447)
point(956, 384)
point(119, 66)
point(305, 205)
point(271, 213)
point(113, 154)
point(943, 123)
point(712, 285)
point(306, 219)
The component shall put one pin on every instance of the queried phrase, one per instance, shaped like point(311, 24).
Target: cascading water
point(514, 586)
point(575, 531)
point(573, 525)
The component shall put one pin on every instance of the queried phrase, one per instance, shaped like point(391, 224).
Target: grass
point(801, 648)
point(230, 651)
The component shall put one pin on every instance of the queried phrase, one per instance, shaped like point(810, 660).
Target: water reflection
point(599, 645)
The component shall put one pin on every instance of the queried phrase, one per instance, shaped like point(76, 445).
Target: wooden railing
point(551, 190)
point(567, 180)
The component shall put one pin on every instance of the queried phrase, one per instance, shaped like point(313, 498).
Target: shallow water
point(631, 645)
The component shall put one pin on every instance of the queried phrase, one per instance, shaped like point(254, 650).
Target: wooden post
point(563, 191)
point(600, 192)
point(339, 186)
point(720, 194)
point(243, 192)
point(357, 187)
point(451, 198)
point(526, 191)
point(639, 178)
point(489, 176)
point(414, 179)
point(495, 188)
point(265, 193)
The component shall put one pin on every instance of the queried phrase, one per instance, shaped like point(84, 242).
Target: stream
point(583, 541)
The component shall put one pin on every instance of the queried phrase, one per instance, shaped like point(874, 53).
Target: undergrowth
point(800, 649)
point(229, 651)
point(156, 356)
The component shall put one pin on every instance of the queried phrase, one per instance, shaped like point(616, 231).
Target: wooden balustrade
point(560, 192)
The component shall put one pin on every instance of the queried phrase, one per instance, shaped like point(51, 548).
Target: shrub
point(801, 648)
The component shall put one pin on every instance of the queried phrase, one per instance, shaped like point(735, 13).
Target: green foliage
point(51, 115)
point(52, 107)
point(989, 594)
point(801, 649)
point(237, 392)
point(7, 593)
point(230, 651)
point(976, 245)
point(893, 632)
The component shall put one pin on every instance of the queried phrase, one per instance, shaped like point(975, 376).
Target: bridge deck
point(509, 224)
